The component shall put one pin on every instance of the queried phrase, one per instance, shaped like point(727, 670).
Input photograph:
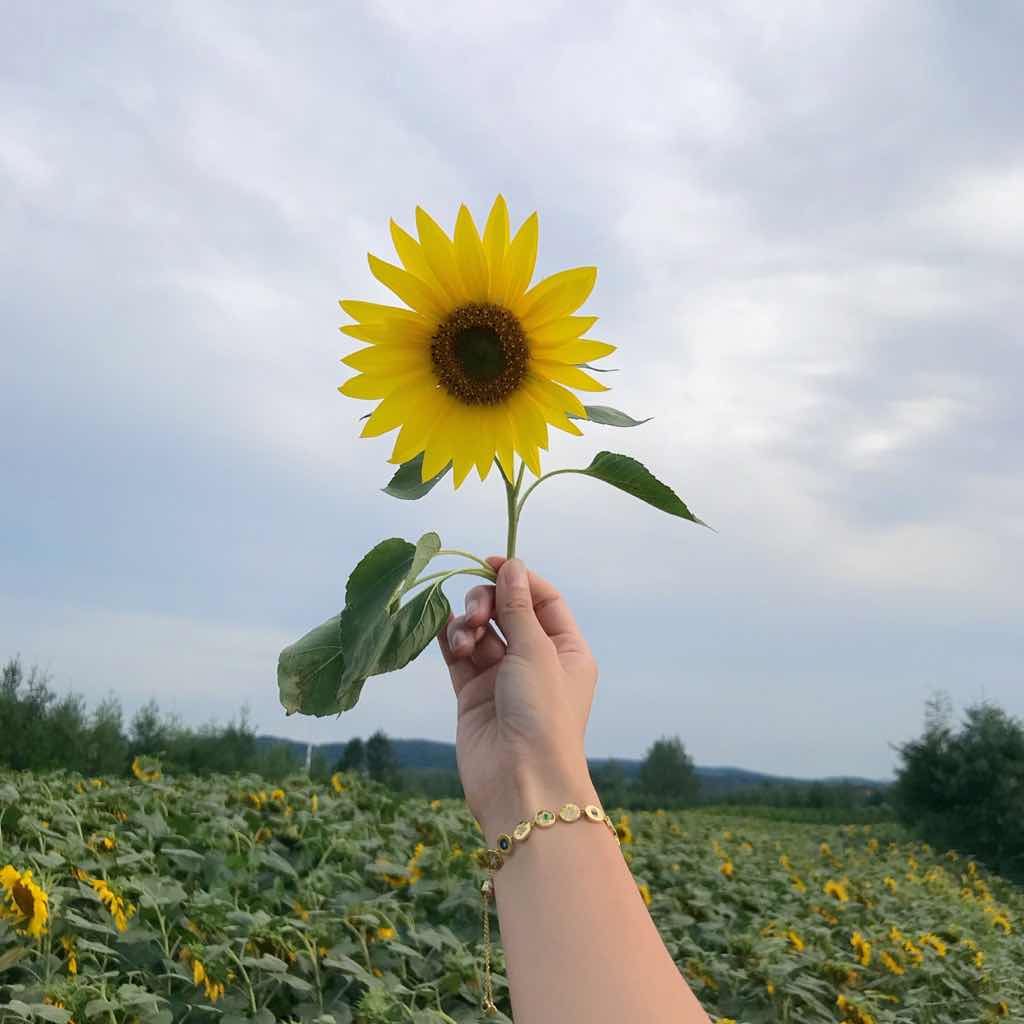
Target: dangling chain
point(487, 890)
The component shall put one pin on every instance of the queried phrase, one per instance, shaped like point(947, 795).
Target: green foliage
point(965, 788)
point(323, 672)
point(381, 763)
point(630, 476)
point(346, 902)
point(610, 417)
point(353, 757)
point(407, 483)
point(667, 773)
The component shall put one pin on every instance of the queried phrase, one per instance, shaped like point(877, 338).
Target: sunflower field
point(223, 900)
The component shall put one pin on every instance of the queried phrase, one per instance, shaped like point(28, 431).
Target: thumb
point(514, 610)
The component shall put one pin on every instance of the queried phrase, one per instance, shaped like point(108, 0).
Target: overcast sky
point(809, 224)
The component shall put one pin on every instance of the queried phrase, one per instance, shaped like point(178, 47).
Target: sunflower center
point(480, 353)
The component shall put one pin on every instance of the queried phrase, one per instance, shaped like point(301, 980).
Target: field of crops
point(226, 899)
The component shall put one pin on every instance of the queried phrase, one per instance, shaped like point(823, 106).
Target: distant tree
point(148, 733)
point(353, 757)
point(667, 772)
point(964, 788)
point(381, 762)
point(609, 780)
point(105, 748)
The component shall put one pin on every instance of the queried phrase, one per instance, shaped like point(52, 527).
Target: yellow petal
point(521, 260)
point(564, 373)
point(410, 253)
point(483, 440)
point(529, 427)
point(567, 328)
point(414, 292)
point(375, 313)
point(440, 254)
point(556, 296)
point(581, 351)
point(412, 438)
point(550, 406)
point(392, 332)
point(469, 256)
point(389, 359)
point(367, 386)
point(557, 398)
point(496, 233)
point(396, 408)
point(438, 449)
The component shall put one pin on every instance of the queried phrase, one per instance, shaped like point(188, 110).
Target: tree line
point(958, 785)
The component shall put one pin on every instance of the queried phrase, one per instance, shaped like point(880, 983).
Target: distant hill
point(434, 755)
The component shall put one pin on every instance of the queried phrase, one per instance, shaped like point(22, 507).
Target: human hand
point(523, 702)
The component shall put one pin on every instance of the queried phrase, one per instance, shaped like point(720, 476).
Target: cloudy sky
point(809, 224)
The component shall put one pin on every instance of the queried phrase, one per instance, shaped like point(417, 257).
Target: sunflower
point(24, 901)
point(478, 364)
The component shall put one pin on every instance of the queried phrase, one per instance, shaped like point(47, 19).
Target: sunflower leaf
point(634, 478)
point(608, 416)
point(323, 672)
point(407, 482)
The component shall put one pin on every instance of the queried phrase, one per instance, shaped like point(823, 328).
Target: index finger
point(549, 606)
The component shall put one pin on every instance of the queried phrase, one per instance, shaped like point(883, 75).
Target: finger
point(514, 611)
point(552, 610)
point(489, 649)
point(479, 605)
point(460, 669)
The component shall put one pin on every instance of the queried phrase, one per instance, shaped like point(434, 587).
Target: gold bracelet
point(493, 859)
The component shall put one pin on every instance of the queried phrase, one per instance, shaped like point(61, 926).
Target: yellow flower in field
point(979, 959)
point(784, 861)
point(873, 845)
point(385, 934)
point(474, 369)
point(916, 955)
point(435, 805)
point(838, 890)
point(797, 943)
point(24, 901)
point(314, 803)
point(727, 869)
point(645, 893)
point(300, 911)
point(862, 948)
point(890, 883)
point(262, 835)
point(116, 905)
point(68, 944)
point(1003, 922)
point(674, 867)
point(825, 915)
point(278, 795)
point(725, 1020)
point(825, 850)
point(145, 772)
point(623, 831)
point(930, 939)
point(1002, 1008)
point(339, 786)
point(892, 965)
point(799, 884)
point(770, 987)
point(198, 972)
point(895, 935)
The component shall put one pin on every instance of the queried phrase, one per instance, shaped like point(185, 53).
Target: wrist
point(529, 788)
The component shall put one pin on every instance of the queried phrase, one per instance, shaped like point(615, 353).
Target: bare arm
point(579, 942)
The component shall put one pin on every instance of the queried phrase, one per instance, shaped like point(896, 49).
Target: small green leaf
point(407, 482)
point(634, 478)
point(609, 417)
point(426, 547)
point(323, 672)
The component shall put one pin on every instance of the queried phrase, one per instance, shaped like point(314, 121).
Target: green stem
point(490, 575)
point(463, 554)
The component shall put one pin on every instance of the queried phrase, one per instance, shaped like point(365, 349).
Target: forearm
point(566, 896)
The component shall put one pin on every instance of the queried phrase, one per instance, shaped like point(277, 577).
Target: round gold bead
point(544, 818)
point(522, 831)
point(569, 812)
point(593, 812)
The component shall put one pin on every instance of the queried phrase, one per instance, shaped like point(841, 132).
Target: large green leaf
point(634, 478)
point(608, 416)
point(407, 482)
point(323, 672)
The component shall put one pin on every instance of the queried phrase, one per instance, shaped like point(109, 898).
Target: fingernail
point(471, 606)
point(515, 572)
point(459, 638)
